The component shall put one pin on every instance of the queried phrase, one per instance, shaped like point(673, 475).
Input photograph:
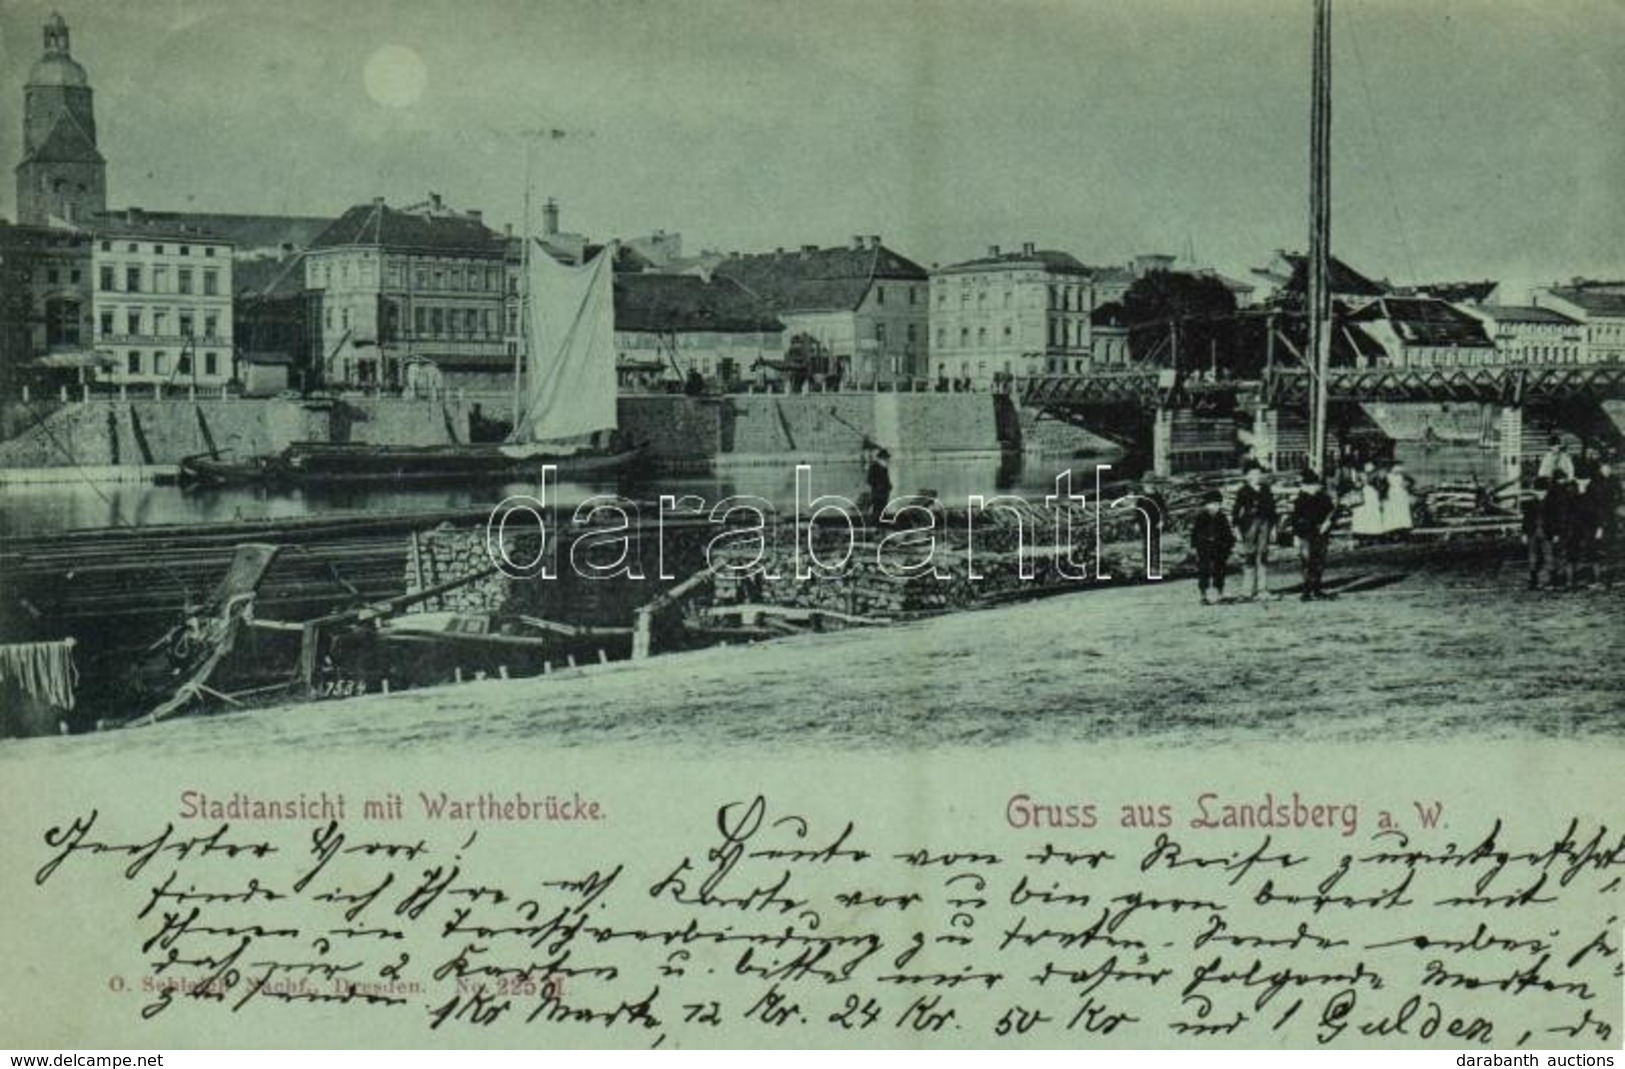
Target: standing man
point(879, 479)
point(1311, 524)
point(1254, 517)
point(1603, 510)
point(1534, 531)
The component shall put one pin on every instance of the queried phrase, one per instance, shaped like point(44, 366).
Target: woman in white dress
point(1367, 515)
point(1396, 507)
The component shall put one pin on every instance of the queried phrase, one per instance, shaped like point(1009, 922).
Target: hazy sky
point(1472, 138)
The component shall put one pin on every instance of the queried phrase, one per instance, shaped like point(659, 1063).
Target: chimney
point(1027, 248)
point(550, 218)
point(874, 241)
point(130, 214)
point(378, 201)
point(476, 214)
point(808, 250)
point(434, 201)
point(779, 251)
point(507, 230)
point(857, 241)
point(993, 250)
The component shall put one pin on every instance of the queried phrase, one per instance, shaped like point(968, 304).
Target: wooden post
point(1511, 450)
point(1162, 441)
point(642, 634)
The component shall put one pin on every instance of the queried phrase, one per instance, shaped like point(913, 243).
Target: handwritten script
point(763, 926)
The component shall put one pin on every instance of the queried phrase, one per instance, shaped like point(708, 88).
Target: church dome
point(58, 70)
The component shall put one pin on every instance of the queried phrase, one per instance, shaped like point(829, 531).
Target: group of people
point(1254, 524)
point(1386, 508)
point(1571, 521)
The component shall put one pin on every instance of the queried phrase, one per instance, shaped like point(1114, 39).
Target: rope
point(43, 670)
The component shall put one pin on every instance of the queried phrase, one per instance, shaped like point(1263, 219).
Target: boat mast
point(523, 347)
point(1320, 230)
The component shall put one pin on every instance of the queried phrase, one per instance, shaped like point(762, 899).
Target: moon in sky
point(395, 76)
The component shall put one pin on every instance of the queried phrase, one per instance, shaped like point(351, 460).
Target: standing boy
point(1255, 519)
point(1311, 524)
point(1211, 540)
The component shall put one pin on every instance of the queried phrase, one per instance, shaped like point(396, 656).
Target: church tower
point(62, 175)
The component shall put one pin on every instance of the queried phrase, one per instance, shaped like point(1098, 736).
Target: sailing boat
point(565, 419)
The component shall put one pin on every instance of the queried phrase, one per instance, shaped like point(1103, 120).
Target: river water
point(43, 509)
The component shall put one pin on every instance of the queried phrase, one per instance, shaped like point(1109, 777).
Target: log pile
point(875, 583)
point(444, 553)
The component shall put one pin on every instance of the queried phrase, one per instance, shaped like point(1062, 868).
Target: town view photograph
point(833, 374)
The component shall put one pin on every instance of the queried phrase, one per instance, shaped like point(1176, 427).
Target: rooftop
point(654, 303)
point(429, 227)
point(1028, 258)
point(1425, 321)
point(1593, 301)
point(1511, 313)
point(815, 279)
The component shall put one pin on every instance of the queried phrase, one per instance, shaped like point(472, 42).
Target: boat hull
point(394, 465)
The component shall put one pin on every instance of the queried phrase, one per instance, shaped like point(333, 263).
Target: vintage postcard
point(1047, 523)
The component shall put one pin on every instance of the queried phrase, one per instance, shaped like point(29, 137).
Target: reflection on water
point(42, 509)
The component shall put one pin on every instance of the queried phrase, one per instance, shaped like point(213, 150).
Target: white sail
point(570, 370)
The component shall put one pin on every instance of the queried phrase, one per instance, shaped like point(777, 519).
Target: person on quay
point(1212, 539)
point(1311, 525)
point(878, 477)
point(1397, 514)
point(1535, 531)
point(1255, 518)
point(1603, 500)
point(1555, 460)
point(1561, 516)
point(1366, 518)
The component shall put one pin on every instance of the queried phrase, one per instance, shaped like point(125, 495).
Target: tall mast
point(524, 302)
point(1320, 229)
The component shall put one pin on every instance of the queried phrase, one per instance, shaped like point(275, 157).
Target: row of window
point(475, 278)
point(1061, 298)
point(161, 250)
point(135, 319)
point(157, 280)
point(1063, 333)
point(912, 291)
point(158, 364)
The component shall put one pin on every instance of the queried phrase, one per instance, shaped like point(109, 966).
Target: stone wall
point(683, 432)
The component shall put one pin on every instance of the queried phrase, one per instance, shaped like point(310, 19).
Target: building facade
point(1010, 314)
point(162, 302)
point(669, 327)
point(1600, 306)
point(1419, 332)
point(44, 294)
point(1529, 335)
point(853, 316)
point(62, 176)
point(413, 297)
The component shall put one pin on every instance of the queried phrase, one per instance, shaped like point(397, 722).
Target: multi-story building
point(45, 306)
point(1600, 306)
point(62, 176)
point(859, 313)
point(670, 326)
point(1017, 313)
point(411, 296)
point(1419, 332)
point(1529, 335)
point(162, 301)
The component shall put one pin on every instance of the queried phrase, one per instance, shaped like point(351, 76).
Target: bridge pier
point(1511, 442)
point(1162, 441)
point(1267, 436)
